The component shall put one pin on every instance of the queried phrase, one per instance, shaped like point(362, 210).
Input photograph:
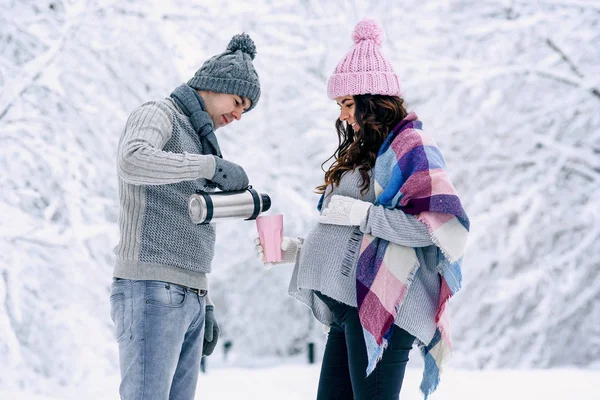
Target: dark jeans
point(343, 372)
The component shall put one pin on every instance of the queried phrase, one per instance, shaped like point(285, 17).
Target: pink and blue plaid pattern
point(410, 176)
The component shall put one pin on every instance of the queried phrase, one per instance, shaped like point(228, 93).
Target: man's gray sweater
point(327, 261)
point(160, 163)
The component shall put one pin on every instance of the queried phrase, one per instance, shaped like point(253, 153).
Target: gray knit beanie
point(231, 72)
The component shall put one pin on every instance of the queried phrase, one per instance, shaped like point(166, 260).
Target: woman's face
point(347, 108)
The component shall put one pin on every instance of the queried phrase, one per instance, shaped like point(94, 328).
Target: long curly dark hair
point(376, 115)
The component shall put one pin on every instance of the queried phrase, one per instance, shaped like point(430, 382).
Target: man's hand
point(211, 331)
point(229, 176)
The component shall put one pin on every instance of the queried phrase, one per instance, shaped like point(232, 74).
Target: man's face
point(224, 108)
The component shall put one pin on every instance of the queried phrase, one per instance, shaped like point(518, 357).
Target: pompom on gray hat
point(231, 72)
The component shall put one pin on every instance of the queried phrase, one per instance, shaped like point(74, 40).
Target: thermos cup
point(207, 207)
point(270, 232)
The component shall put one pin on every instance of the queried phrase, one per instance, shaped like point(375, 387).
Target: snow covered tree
point(509, 89)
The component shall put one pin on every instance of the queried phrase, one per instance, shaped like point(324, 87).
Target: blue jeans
point(160, 330)
point(343, 371)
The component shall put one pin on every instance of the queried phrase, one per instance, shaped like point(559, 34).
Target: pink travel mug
point(270, 232)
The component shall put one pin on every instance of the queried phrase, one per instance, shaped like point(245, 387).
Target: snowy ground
point(299, 382)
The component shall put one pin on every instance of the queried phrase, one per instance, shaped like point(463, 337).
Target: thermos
point(206, 207)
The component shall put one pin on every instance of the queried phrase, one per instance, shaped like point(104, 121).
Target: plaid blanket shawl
point(410, 176)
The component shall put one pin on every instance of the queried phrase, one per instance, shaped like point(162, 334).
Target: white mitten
point(290, 246)
point(343, 210)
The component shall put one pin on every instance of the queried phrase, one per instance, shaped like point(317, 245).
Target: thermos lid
point(266, 202)
point(197, 208)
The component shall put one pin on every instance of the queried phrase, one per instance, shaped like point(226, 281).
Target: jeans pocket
point(163, 294)
point(117, 313)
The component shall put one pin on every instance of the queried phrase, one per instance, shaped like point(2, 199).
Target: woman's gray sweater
point(320, 265)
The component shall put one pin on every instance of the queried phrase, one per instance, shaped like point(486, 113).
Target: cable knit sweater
point(160, 163)
point(327, 261)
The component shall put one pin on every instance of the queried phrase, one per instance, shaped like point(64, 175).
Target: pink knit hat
point(364, 70)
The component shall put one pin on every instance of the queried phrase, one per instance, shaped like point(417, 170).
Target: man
point(159, 296)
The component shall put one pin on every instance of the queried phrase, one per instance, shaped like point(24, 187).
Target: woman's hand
point(290, 246)
point(344, 210)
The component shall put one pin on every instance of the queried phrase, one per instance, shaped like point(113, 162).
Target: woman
point(385, 257)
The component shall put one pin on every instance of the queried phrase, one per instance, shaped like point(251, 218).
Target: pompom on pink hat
point(364, 70)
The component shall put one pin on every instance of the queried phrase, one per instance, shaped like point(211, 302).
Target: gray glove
point(229, 176)
point(211, 331)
